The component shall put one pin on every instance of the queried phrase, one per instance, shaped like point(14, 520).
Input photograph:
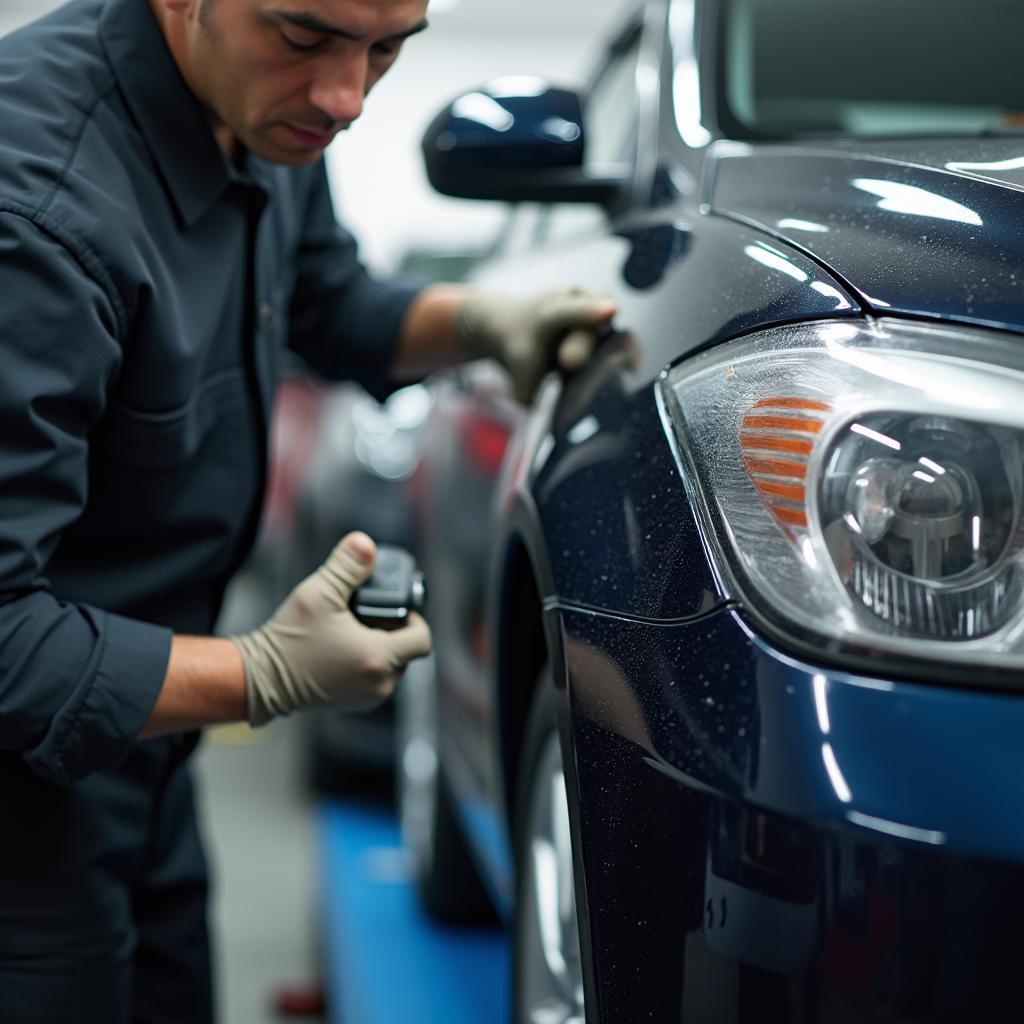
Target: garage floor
point(386, 962)
point(283, 864)
point(260, 836)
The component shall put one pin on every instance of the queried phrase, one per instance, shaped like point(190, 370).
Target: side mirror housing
point(516, 140)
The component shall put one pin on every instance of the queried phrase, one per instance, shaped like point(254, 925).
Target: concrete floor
point(259, 834)
point(259, 828)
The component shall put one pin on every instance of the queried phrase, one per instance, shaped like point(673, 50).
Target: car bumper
point(763, 838)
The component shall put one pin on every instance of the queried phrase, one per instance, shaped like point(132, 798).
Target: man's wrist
point(204, 685)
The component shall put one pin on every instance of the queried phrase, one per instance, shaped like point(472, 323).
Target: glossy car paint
point(758, 838)
point(767, 841)
point(945, 218)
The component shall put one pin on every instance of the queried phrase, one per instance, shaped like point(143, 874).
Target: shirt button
point(266, 316)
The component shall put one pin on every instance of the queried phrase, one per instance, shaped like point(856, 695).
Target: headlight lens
point(926, 540)
point(865, 482)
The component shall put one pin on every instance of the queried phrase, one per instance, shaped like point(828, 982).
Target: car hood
point(932, 228)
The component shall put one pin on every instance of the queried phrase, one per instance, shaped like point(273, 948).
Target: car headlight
point(861, 483)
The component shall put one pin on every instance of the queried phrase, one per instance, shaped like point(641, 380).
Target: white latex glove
point(314, 652)
point(531, 336)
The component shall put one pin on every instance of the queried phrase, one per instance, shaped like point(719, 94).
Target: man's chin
point(283, 145)
point(286, 155)
point(292, 159)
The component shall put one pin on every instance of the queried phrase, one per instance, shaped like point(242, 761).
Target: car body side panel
point(589, 486)
point(689, 279)
point(616, 526)
point(613, 512)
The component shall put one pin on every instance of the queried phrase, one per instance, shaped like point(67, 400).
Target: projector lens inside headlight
point(923, 535)
point(864, 481)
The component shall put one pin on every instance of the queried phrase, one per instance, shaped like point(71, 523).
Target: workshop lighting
point(795, 224)
point(917, 202)
point(479, 107)
point(772, 258)
point(835, 776)
point(821, 704)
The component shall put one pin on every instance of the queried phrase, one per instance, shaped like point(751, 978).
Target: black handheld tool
point(395, 589)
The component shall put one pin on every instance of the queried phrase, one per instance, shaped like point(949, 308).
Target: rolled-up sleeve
point(344, 322)
point(76, 683)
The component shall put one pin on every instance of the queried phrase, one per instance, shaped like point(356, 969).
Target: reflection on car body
point(747, 589)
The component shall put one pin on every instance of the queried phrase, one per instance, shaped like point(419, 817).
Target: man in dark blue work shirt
point(165, 231)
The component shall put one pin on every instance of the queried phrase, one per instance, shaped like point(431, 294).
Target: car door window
point(610, 112)
point(610, 122)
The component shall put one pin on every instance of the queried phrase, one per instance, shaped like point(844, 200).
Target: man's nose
point(340, 87)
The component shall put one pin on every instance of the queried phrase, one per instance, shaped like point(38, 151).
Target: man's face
point(282, 77)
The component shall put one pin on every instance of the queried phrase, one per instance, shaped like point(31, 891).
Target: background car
point(358, 478)
point(360, 474)
point(724, 710)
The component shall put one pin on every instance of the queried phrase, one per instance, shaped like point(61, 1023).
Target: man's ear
point(177, 6)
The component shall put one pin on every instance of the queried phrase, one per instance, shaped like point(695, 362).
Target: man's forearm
point(427, 341)
point(204, 685)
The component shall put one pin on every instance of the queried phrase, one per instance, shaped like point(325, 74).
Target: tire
point(447, 879)
point(547, 969)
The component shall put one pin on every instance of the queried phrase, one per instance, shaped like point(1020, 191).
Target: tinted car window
point(873, 68)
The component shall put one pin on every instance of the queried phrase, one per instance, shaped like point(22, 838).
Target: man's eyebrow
point(313, 23)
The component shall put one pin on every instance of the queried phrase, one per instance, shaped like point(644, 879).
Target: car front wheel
point(548, 986)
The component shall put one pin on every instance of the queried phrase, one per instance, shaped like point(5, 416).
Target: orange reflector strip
point(781, 423)
point(784, 498)
point(776, 467)
point(793, 492)
point(790, 516)
point(767, 443)
point(792, 403)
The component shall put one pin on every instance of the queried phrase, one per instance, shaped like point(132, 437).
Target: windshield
point(871, 67)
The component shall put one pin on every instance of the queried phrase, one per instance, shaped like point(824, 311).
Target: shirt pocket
point(162, 440)
point(171, 493)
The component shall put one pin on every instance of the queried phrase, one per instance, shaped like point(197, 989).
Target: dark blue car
point(726, 711)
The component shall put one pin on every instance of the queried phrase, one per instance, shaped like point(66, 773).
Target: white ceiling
point(576, 16)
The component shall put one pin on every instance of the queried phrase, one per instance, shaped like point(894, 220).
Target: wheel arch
point(525, 581)
point(525, 638)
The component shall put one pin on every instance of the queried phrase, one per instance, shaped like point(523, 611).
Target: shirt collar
point(171, 119)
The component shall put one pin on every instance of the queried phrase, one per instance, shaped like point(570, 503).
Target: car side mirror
point(516, 140)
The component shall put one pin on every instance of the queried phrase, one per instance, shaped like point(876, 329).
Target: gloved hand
point(313, 651)
point(532, 335)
